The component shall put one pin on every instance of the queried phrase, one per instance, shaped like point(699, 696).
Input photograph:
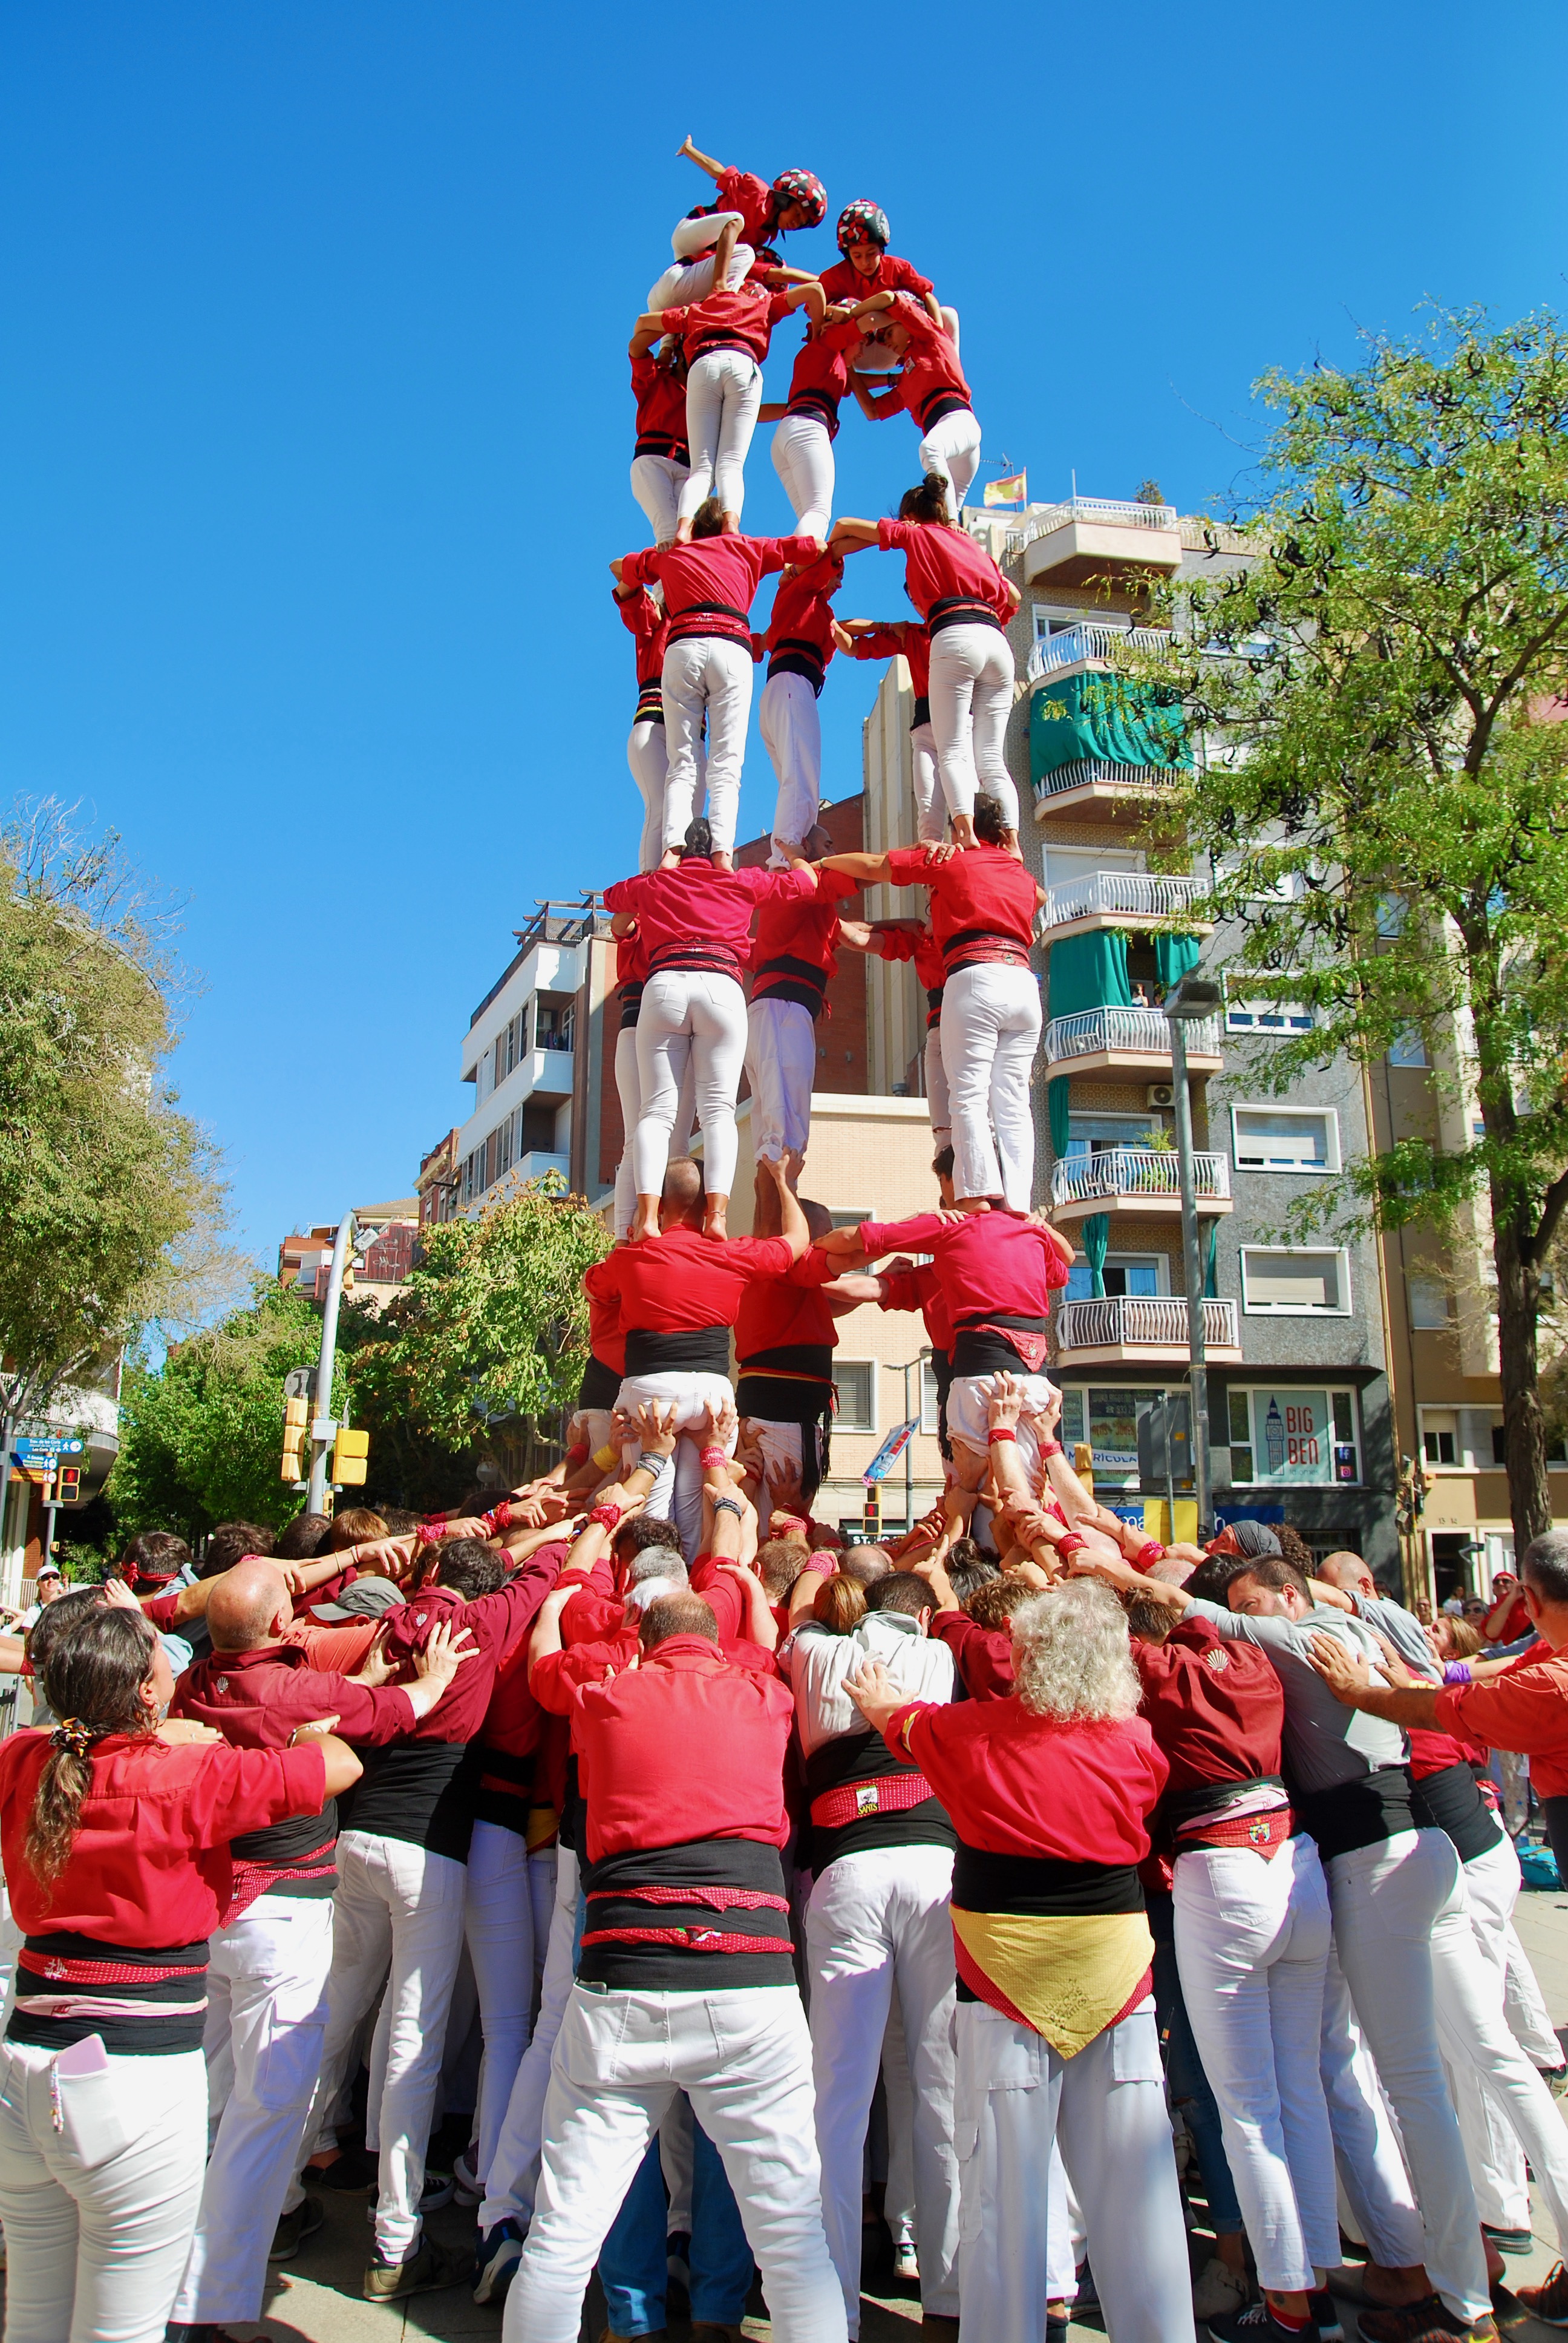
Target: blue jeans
point(1189, 2085)
point(632, 2260)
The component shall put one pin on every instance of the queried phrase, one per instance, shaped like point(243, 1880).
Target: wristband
point(606, 1457)
point(430, 1533)
point(1148, 1555)
point(607, 1515)
point(821, 1565)
point(499, 1517)
point(999, 1432)
point(1070, 1544)
point(1051, 1448)
point(714, 1458)
point(577, 1455)
point(729, 1505)
point(1457, 1672)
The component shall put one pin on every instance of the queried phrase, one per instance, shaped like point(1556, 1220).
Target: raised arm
point(650, 327)
point(870, 869)
point(703, 162)
point(852, 535)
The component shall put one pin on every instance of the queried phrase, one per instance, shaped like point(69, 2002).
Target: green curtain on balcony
point(1210, 1271)
point(1096, 1237)
point(1174, 958)
point(1089, 973)
point(1106, 719)
point(1056, 1095)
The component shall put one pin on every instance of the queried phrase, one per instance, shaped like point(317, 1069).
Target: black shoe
point(1429, 2321)
point(1549, 2301)
point(1324, 2313)
point(1257, 2324)
point(294, 2228)
point(427, 2271)
point(1509, 2241)
point(351, 2171)
point(1507, 2308)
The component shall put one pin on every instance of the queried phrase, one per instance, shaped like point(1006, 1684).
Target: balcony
point(1151, 1328)
point(1123, 899)
point(1091, 540)
point(1142, 1180)
point(1093, 644)
point(1134, 1042)
point(1096, 780)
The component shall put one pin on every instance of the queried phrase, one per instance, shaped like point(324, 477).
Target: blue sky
point(317, 419)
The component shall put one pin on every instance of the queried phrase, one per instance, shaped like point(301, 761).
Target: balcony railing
point(1100, 512)
point(1159, 1320)
point(1142, 1032)
point(1095, 642)
point(1127, 894)
point(1136, 1171)
point(1088, 772)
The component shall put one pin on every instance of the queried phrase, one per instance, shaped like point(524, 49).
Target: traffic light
point(350, 1459)
point(70, 1488)
point(296, 1463)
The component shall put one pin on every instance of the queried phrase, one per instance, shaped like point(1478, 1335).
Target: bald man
point(266, 1988)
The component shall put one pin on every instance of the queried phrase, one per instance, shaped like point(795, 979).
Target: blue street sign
point(891, 1449)
point(30, 1451)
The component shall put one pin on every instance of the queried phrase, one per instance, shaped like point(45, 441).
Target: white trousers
point(647, 754)
point(265, 2017)
point(656, 482)
point(878, 1924)
point(709, 674)
point(972, 696)
point(708, 1013)
point(514, 2165)
point(628, 1084)
point(969, 1397)
point(1368, 2158)
point(723, 393)
point(1015, 2099)
point(677, 1495)
point(793, 735)
point(690, 278)
point(803, 459)
point(780, 1066)
point(1526, 2011)
point(498, 1922)
point(1252, 1950)
point(936, 1090)
point(952, 448)
point(931, 806)
point(398, 1904)
point(1400, 1917)
point(98, 2213)
point(990, 1030)
point(743, 2057)
point(899, 2196)
point(1494, 2078)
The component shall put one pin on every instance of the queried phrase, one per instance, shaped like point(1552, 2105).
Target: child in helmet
point(796, 199)
point(867, 267)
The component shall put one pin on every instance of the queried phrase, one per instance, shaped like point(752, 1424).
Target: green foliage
point(201, 1436)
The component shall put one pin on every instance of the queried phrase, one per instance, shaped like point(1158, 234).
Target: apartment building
point(305, 1257)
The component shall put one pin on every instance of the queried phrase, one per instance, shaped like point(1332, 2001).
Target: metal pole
point(908, 1457)
point(323, 1428)
point(1197, 1375)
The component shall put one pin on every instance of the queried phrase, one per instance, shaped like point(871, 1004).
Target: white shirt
point(922, 1666)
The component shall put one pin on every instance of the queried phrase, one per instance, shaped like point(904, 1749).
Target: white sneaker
point(467, 2189)
point(1217, 2290)
point(905, 2259)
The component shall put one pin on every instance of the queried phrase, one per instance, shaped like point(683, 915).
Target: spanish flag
point(1011, 491)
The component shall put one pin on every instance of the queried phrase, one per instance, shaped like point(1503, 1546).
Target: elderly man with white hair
point(1050, 1793)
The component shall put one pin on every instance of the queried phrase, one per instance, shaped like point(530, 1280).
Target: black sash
point(686, 1350)
point(938, 403)
point(819, 405)
point(787, 978)
point(1042, 1885)
point(1356, 1814)
point(960, 610)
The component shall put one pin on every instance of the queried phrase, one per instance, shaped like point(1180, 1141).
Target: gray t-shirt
point(1325, 1743)
point(1405, 1632)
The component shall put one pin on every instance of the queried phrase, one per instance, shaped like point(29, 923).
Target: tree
point(109, 1201)
point(490, 1328)
point(1385, 803)
point(201, 1436)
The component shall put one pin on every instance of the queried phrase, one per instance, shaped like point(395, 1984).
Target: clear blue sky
point(317, 420)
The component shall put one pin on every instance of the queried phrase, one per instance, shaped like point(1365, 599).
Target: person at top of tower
point(966, 603)
point(930, 387)
point(796, 198)
point(867, 266)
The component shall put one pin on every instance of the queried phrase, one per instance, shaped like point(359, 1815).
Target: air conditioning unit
point(1160, 1095)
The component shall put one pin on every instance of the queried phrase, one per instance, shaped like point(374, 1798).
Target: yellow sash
point(1068, 1977)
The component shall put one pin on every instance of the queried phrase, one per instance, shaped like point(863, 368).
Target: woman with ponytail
point(114, 1830)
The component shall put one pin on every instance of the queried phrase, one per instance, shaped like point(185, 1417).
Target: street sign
point(888, 1454)
point(299, 1383)
point(48, 1449)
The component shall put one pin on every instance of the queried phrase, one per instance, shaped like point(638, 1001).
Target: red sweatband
point(1051, 1448)
point(999, 1432)
point(713, 1456)
point(1148, 1555)
point(577, 1455)
point(607, 1515)
point(824, 1566)
point(431, 1533)
point(499, 1517)
point(1071, 1544)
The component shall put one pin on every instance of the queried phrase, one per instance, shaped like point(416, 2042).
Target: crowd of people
point(685, 1889)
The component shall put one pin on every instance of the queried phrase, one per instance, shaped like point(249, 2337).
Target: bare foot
point(715, 1226)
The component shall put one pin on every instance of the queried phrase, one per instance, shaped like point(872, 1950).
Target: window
point(1092, 1134)
point(503, 1146)
point(1556, 1450)
point(857, 1382)
point(1286, 1138)
point(1393, 910)
point(1407, 1048)
point(1125, 1273)
point(1440, 1437)
point(1279, 1436)
point(849, 1216)
point(1278, 1280)
point(1260, 1013)
point(1049, 622)
point(1428, 1304)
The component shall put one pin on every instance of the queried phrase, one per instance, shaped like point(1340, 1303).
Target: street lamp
point(1195, 997)
point(324, 1428)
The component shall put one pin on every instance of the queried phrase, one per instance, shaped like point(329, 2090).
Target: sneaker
point(1507, 2308)
point(1217, 2291)
point(906, 2260)
point(428, 2269)
point(1256, 2323)
point(439, 2189)
point(1057, 2317)
point(467, 2187)
point(1555, 2079)
point(1509, 2241)
point(496, 2260)
point(294, 2228)
point(1549, 2301)
point(1324, 2314)
point(351, 2171)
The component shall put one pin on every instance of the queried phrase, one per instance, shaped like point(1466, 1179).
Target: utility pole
point(1195, 998)
point(324, 1429)
point(914, 1365)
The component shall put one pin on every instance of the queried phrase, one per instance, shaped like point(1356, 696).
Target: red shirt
point(844, 282)
point(661, 393)
point(497, 1624)
point(779, 1311)
point(888, 641)
point(695, 907)
point(682, 1281)
point(744, 192)
point(149, 1864)
point(803, 610)
point(897, 944)
point(723, 569)
point(742, 316)
point(921, 1289)
point(805, 935)
point(1017, 1783)
point(942, 563)
point(821, 376)
point(983, 892)
point(255, 1699)
point(982, 1656)
point(932, 368)
point(650, 629)
point(1214, 1705)
point(607, 1335)
point(1525, 1709)
point(985, 1261)
point(639, 1739)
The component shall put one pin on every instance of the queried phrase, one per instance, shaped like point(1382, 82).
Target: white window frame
point(1328, 1115)
point(1464, 1460)
point(1237, 1002)
point(1430, 1285)
point(839, 1423)
point(1248, 1391)
point(1252, 1309)
point(1161, 1261)
point(930, 1403)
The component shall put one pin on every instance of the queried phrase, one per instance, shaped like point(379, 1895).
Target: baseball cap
point(51, 1570)
point(364, 1598)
